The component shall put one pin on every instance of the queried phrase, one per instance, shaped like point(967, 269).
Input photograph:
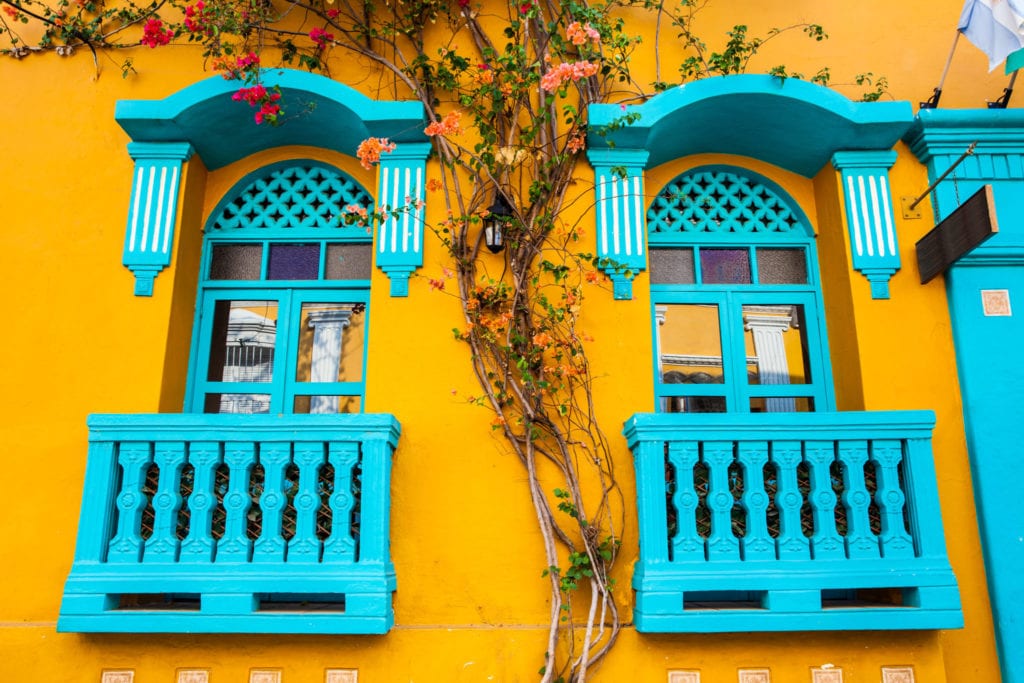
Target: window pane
point(782, 266)
point(672, 266)
point(689, 344)
point(693, 404)
point(348, 261)
point(236, 262)
point(330, 345)
point(786, 404)
point(248, 404)
point(776, 344)
point(294, 262)
point(725, 266)
point(242, 342)
point(326, 404)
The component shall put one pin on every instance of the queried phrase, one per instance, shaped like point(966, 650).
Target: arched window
point(283, 292)
point(739, 324)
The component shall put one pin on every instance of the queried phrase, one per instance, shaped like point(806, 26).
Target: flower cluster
point(321, 37)
point(237, 69)
point(581, 34)
point(154, 33)
point(353, 214)
point(576, 142)
point(567, 71)
point(449, 125)
point(370, 149)
point(197, 18)
point(266, 100)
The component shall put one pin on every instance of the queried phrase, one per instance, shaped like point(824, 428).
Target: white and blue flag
point(996, 27)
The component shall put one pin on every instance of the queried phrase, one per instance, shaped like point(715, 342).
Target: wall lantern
point(497, 215)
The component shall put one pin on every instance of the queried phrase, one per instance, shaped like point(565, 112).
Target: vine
point(506, 89)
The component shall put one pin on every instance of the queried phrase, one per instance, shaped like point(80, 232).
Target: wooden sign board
point(972, 223)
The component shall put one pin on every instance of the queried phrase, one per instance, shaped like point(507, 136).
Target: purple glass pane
point(725, 266)
point(294, 262)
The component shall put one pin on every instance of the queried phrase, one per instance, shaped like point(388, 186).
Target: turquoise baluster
point(861, 543)
point(270, 546)
point(791, 543)
point(826, 543)
point(126, 546)
point(304, 546)
point(722, 543)
point(234, 545)
point(687, 545)
point(896, 542)
point(757, 544)
point(341, 546)
point(163, 545)
point(198, 546)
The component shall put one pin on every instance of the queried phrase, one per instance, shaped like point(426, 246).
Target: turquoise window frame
point(730, 299)
point(290, 295)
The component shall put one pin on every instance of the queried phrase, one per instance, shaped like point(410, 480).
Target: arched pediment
point(790, 123)
point(319, 112)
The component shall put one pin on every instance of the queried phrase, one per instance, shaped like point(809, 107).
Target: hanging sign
point(969, 225)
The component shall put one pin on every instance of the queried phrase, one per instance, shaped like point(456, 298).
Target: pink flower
point(567, 71)
point(580, 34)
point(321, 37)
point(154, 34)
point(332, 14)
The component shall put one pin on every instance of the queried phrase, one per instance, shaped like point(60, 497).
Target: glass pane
point(236, 262)
point(781, 266)
point(348, 261)
point(247, 404)
point(331, 342)
point(294, 262)
point(725, 266)
point(327, 404)
point(689, 344)
point(242, 342)
point(776, 344)
point(693, 404)
point(785, 404)
point(671, 266)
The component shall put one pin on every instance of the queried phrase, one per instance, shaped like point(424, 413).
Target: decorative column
point(153, 209)
point(328, 327)
point(770, 347)
point(401, 187)
point(620, 207)
point(869, 215)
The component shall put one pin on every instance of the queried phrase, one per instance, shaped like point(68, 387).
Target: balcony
point(234, 524)
point(789, 522)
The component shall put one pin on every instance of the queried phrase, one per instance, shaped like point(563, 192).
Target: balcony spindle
point(163, 545)
point(234, 545)
point(126, 546)
point(199, 545)
point(305, 546)
point(341, 545)
point(861, 543)
point(757, 544)
point(825, 542)
point(792, 543)
point(886, 455)
point(270, 546)
point(687, 544)
point(722, 543)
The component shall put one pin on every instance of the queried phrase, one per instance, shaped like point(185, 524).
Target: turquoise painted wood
point(170, 540)
point(789, 522)
point(988, 343)
point(869, 215)
point(153, 209)
point(619, 215)
point(401, 195)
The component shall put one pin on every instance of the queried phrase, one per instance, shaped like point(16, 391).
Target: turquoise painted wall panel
point(724, 518)
point(129, 564)
point(988, 343)
point(869, 215)
point(620, 206)
point(153, 209)
point(400, 198)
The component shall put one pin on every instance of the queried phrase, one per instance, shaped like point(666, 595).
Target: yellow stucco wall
point(470, 602)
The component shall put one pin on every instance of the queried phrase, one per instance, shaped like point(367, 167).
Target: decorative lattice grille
point(307, 196)
point(719, 202)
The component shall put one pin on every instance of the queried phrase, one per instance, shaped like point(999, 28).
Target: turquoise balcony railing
point(789, 522)
point(234, 524)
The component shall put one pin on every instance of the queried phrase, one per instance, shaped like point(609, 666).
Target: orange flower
point(449, 125)
point(541, 339)
point(370, 149)
point(433, 185)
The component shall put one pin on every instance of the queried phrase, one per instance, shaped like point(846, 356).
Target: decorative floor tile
point(897, 674)
point(683, 677)
point(193, 676)
point(755, 676)
point(995, 302)
point(341, 676)
point(827, 674)
point(119, 676)
point(264, 676)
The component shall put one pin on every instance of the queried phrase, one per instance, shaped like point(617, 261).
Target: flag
point(996, 27)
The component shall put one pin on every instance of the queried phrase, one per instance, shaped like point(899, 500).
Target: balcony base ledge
point(832, 619)
point(277, 623)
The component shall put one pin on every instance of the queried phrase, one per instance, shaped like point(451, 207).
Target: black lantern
point(499, 214)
